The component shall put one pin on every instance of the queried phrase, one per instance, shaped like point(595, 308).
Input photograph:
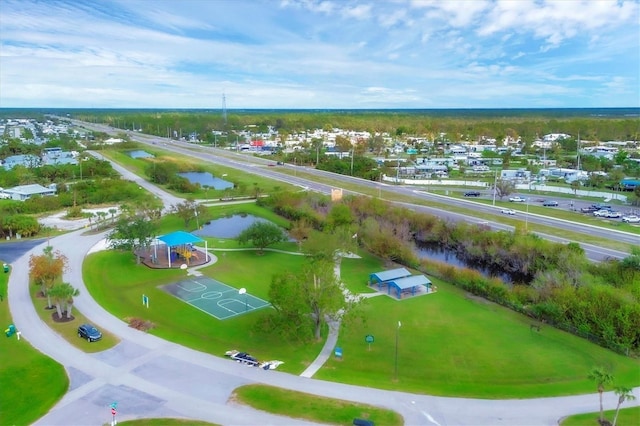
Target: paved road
point(10, 251)
point(150, 377)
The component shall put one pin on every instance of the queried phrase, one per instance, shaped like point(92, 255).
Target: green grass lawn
point(182, 323)
point(451, 344)
point(627, 417)
point(32, 383)
point(301, 405)
point(69, 329)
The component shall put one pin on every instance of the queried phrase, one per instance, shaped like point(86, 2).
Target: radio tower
point(224, 110)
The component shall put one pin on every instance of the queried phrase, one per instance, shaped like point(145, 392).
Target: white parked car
point(517, 199)
point(631, 219)
point(508, 211)
point(613, 214)
point(601, 213)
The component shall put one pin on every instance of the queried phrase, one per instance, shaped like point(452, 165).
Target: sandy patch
point(57, 221)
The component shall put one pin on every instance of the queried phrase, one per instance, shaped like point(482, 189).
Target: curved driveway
point(150, 377)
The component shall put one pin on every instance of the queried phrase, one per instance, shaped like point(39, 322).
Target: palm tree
point(624, 394)
point(602, 378)
point(64, 293)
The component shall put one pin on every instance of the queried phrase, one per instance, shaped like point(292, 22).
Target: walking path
point(151, 377)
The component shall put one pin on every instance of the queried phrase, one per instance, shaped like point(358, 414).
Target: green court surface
point(215, 298)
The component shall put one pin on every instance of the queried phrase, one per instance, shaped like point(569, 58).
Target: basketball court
point(215, 298)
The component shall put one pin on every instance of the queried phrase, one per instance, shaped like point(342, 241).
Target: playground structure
point(179, 248)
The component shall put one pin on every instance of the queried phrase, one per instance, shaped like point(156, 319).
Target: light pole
point(526, 218)
point(495, 187)
point(244, 291)
point(352, 154)
point(396, 363)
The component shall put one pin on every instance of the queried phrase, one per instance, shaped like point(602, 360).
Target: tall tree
point(504, 188)
point(300, 231)
point(132, 233)
point(262, 234)
point(624, 394)
point(45, 270)
point(189, 210)
point(305, 301)
point(602, 378)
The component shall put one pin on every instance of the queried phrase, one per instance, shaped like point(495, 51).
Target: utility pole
point(495, 187)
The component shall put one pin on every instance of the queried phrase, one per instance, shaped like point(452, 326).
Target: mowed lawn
point(452, 344)
point(31, 382)
point(449, 343)
point(117, 283)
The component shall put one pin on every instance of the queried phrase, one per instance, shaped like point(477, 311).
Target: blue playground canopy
point(181, 238)
point(388, 275)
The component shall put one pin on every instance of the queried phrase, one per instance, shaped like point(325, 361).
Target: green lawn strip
point(165, 422)
point(138, 166)
point(69, 329)
point(301, 405)
point(627, 417)
point(453, 344)
point(182, 323)
point(32, 383)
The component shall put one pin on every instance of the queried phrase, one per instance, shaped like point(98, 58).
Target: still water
point(450, 257)
point(138, 153)
point(206, 178)
point(228, 227)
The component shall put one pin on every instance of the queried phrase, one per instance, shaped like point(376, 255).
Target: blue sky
point(319, 53)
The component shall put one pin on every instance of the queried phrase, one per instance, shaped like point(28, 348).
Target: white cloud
point(320, 53)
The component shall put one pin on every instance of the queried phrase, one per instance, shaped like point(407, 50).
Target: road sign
point(113, 411)
point(369, 339)
point(412, 151)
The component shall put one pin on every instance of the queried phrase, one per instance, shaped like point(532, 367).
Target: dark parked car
point(89, 332)
point(550, 203)
point(472, 194)
point(590, 209)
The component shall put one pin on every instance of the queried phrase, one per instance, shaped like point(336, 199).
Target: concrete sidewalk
point(151, 377)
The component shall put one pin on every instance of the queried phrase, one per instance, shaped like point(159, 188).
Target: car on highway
point(613, 214)
point(550, 203)
point(508, 211)
point(631, 219)
point(517, 199)
point(89, 332)
point(601, 213)
point(589, 209)
point(472, 194)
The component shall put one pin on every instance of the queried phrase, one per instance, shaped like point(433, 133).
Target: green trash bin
point(10, 331)
point(5, 267)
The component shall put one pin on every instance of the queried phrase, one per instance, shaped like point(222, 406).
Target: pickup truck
point(517, 199)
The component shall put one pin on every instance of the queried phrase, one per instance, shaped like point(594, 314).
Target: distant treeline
point(454, 125)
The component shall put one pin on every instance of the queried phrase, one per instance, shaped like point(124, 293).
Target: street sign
point(369, 339)
point(412, 151)
point(113, 411)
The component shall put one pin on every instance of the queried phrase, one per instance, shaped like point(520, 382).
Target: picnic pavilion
point(400, 281)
